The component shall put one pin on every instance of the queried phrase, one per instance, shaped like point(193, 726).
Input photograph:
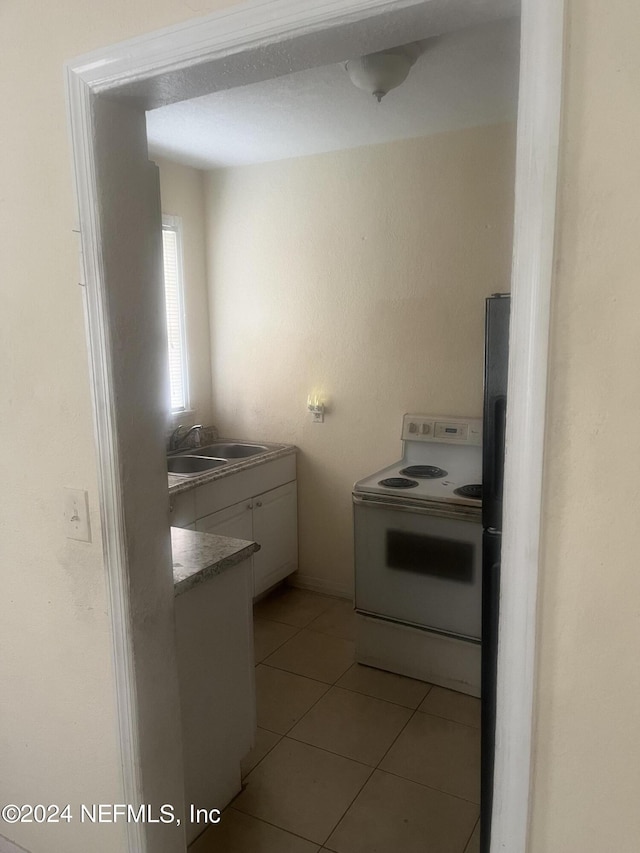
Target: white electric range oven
point(418, 555)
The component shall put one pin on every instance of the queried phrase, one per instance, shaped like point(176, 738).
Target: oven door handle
point(442, 510)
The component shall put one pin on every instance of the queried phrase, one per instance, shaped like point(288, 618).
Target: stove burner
point(472, 491)
point(424, 472)
point(398, 483)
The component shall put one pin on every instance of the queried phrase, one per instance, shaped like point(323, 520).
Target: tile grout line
point(372, 769)
point(375, 698)
point(380, 698)
point(286, 736)
point(327, 684)
point(422, 784)
point(313, 619)
point(368, 695)
point(282, 736)
point(288, 624)
point(360, 790)
point(415, 711)
point(429, 787)
point(258, 763)
point(273, 651)
point(449, 720)
point(281, 622)
point(335, 684)
point(357, 692)
point(291, 672)
point(466, 846)
point(274, 825)
point(329, 752)
point(331, 685)
point(261, 663)
point(327, 634)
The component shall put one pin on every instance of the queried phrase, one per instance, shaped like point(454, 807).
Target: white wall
point(182, 193)
point(56, 705)
point(587, 767)
point(58, 731)
point(362, 275)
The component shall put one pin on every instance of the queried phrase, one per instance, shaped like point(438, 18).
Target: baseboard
point(316, 584)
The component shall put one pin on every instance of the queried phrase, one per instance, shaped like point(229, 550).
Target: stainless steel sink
point(231, 450)
point(191, 466)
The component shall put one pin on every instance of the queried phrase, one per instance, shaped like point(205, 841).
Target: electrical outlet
point(76, 514)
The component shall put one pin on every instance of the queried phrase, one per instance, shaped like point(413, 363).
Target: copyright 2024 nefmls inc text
point(106, 813)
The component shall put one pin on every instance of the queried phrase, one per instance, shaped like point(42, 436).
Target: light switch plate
point(76, 514)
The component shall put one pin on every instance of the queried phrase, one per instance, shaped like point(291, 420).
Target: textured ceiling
point(462, 79)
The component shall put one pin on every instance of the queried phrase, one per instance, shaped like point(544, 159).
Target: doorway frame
point(184, 47)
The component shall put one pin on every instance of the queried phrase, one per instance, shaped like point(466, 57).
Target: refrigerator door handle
point(495, 408)
point(499, 430)
point(494, 446)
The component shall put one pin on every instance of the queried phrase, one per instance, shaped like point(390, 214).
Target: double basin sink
point(198, 460)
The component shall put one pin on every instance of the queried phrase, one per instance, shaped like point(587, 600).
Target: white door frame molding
point(538, 137)
point(138, 71)
point(114, 539)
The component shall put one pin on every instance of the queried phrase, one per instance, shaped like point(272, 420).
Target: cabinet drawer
point(243, 485)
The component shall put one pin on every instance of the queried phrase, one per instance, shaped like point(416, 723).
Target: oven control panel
point(442, 430)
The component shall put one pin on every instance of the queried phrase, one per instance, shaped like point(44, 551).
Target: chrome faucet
point(176, 439)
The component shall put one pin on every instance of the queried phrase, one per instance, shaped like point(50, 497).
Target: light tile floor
point(347, 758)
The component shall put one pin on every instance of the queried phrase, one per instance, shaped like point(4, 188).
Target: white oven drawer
point(418, 568)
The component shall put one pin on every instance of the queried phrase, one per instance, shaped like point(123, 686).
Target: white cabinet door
point(275, 529)
point(234, 521)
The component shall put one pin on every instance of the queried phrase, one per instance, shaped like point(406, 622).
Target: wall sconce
point(316, 407)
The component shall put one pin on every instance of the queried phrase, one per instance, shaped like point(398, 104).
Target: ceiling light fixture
point(380, 72)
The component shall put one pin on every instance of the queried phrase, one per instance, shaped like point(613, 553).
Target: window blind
point(172, 252)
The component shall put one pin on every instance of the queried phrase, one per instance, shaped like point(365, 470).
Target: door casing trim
point(183, 48)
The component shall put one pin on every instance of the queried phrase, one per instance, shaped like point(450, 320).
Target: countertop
point(179, 484)
point(200, 556)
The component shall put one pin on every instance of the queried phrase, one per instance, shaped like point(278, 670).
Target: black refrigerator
point(496, 352)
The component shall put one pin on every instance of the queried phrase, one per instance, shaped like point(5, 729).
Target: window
point(174, 297)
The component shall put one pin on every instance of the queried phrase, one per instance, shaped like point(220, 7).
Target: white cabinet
point(257, 503)
point(214, 650)
point(235, 521)
point(275, 529)
point(271, 520)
